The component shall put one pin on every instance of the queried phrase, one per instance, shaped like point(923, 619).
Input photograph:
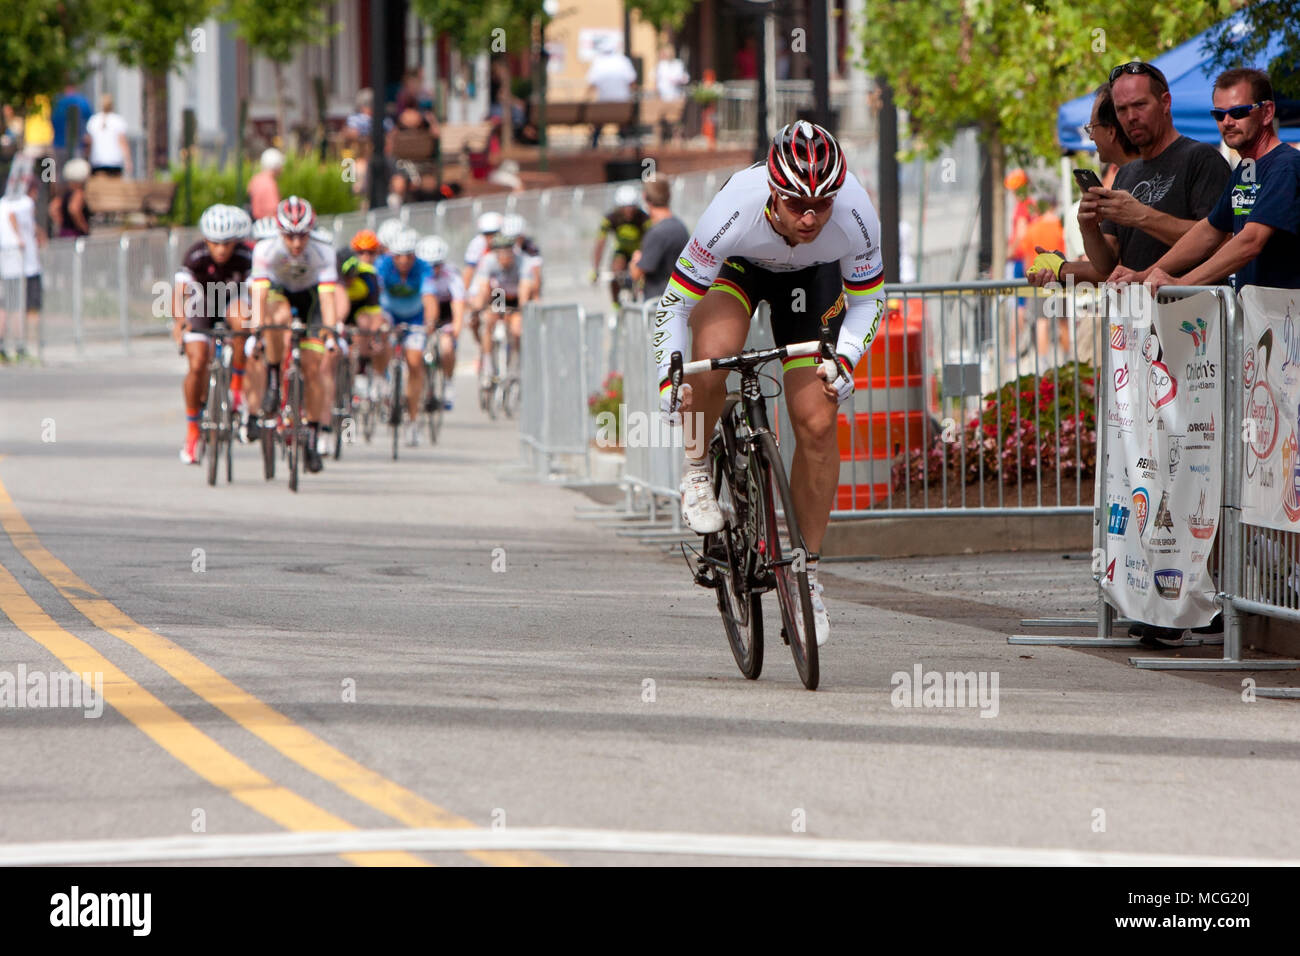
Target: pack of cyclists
point(388, 290)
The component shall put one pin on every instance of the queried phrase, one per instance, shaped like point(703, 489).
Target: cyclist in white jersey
point(488, 224)
point(450, 292)
point(500, 288)
point(802, 234)
point(297, 271)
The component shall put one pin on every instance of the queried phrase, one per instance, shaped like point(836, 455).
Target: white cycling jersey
point(447, 284)
point(475, 250)
point(738, 223)
point(273, 263)
point(495, 275)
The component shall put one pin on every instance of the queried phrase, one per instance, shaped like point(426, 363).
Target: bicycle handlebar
point(750, 358)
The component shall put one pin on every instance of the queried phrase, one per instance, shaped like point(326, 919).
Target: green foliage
point(1006, 66)
point(43, 44)
point(278, 28)
point(1266, 20)
point(154, 34)
point(663, 14)
point(473, 25)
point(320, 183)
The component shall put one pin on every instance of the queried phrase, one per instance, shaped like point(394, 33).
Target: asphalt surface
point(434, 644)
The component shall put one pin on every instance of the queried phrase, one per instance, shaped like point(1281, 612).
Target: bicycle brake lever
point(675, 377)
point(828, 350)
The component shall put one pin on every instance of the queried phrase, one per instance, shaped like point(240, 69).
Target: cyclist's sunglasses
point(1236, 112)
point(1137, 66)
point(801, 205)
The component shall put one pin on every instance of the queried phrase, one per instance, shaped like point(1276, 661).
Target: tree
point(276, 29)
point(1264, 22)
point(1006, 66)
point(43, 45)
point(663, 14)
point(157, 36)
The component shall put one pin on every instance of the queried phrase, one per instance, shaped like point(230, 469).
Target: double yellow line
point(190, 745)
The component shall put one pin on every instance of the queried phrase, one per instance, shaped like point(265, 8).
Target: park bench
point(111, 197)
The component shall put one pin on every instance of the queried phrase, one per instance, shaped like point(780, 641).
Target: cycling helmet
point(627, 196)
point(365, 241)
point(490, 222)
point(295, 217)
point(265, 228)
point(221, 223)
point(514, 225)
point(805, 160)
point(404, 243)
point(432, 249)
point(388, 230)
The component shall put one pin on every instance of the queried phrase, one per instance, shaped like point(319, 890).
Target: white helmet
point(432, 249)
point(221, 223)
point(627, 196)
point(404, 243)
point(388, 230)
point(265, 228)
point(513, 225)
point(272, 158)
point(490, 222)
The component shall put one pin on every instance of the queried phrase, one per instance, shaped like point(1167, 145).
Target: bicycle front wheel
point(787, 558)
point(296, 428)
point(397, 365)
point(210, 424)
point(730, 554)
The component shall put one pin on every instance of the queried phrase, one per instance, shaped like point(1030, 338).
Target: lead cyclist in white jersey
point(802, 234)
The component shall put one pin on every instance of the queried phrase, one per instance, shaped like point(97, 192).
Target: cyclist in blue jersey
point(408, 295)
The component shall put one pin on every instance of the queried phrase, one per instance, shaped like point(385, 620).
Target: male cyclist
point(408, 296)
point(801, 233)
point(499, 290)
point(488, 225)
point(627, 222)
point(296, 272)
point(526, 248)
point(210, 285)
point(451, 308)
point(358, 299)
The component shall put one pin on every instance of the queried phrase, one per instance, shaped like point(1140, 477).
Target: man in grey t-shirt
point(662, 243)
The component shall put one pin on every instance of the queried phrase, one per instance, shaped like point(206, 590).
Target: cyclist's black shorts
point(822, 299)
point(444, 312)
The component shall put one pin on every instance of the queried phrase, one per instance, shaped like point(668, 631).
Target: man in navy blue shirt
point(1253, 232)
point(70, 97)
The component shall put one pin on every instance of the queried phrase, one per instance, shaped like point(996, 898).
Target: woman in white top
point(109, 151)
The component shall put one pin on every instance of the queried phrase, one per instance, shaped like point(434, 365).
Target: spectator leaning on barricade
point(1155, 198)
point(662, 243)
point(110, 153)
point(1253, 232)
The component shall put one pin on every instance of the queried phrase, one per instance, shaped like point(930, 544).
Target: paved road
point(348, 659)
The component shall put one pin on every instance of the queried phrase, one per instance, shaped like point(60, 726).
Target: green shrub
point(322, 184)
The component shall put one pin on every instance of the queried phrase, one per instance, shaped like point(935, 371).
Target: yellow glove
point(1050, 261)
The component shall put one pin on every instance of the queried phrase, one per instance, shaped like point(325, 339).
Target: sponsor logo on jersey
point(1169, 583)
point(723, 231)
point(834, 310)
point(698, 252)
point(866, 237)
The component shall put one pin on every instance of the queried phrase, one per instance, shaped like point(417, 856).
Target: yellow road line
point(173, 733)
point(297, 743)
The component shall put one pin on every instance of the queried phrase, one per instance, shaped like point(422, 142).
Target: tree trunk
point(999, 211)
point(155, 124)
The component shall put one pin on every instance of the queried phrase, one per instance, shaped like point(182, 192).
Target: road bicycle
point(501, 392)
point(342, 413)
point(216, 424)
point(284, 427)
point(760, 547)
point(435, 385)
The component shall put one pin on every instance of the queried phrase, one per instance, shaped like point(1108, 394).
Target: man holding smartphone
point(1156, 198)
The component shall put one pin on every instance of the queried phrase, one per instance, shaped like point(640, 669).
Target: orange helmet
point(365, 241)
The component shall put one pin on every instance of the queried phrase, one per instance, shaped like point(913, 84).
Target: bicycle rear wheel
point(296, 428)
point(367, 410)
point(433, 398)
point(270, 425)
point(397, 366)
point(787, 557)
point(730, 555)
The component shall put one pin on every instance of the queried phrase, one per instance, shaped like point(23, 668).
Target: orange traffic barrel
point(889, 410)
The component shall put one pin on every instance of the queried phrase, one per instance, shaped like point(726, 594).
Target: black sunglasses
point(1236, 112)
point(1137, 66)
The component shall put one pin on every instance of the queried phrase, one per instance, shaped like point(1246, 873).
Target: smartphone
point(1087, 179)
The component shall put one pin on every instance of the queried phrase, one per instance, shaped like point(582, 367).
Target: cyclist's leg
point(196, 385)
point(490, 317)
point(413, 352)
point(719, 325)
point(814, 474)
point(446, 350)
point(618, 263)
point(514, 329)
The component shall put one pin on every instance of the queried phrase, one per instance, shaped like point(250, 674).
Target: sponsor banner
point(1270, 417)
point(1164, 482)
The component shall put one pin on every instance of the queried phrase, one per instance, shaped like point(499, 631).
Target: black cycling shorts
point(800, 301)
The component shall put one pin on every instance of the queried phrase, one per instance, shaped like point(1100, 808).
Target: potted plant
point(606, 407)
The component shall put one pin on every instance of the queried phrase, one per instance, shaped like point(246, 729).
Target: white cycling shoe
point(700, 508)
point(821, 619)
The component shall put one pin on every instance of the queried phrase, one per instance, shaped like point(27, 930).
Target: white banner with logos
point(1164, 481)
point(1270, 383)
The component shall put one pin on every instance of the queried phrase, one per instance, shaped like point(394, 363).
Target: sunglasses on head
point(1137, 66)
point(1236, 112)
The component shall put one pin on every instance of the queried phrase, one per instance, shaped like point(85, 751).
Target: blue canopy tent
point(1191, 84)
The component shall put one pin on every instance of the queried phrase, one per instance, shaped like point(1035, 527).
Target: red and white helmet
point(805, 161)
point(295, 217)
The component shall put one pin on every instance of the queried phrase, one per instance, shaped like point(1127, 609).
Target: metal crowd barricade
point(553, 381)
